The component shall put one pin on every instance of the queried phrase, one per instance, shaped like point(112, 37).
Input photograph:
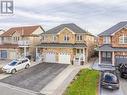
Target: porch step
point(106, 65)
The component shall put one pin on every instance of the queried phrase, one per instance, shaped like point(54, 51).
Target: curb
point(99, 85)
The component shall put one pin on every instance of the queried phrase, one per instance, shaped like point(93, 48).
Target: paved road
point(35, 78)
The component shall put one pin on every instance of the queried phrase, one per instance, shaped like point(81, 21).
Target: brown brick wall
point(115, 38)
point(120, 53)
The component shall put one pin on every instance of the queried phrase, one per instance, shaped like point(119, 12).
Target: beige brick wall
point(10, 51)
point(69, 34)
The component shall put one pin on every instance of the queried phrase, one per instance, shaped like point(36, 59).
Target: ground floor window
point(106, 56)
point(3, 54)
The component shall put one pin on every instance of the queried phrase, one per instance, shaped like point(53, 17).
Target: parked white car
point(16, 65)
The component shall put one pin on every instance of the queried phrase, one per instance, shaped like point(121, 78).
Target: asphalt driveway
point(36, 77)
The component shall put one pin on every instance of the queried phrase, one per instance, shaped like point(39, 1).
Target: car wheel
point(13, 71)
point(27, 66)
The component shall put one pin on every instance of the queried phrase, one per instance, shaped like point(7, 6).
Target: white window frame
point(54, 38)
point(79, 37)
point(122, 39)
point(66, 38)
point(106, 40)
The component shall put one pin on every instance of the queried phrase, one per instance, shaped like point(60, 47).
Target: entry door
point(79, 56)
point(64, 58)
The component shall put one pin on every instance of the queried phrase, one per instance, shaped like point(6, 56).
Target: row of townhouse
point(63, 44)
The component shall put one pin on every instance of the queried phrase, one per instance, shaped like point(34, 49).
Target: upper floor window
point(53, 38)
point(79, 38)
point(106, 40)
point(16, 38)
point(42, 38)
point(66, 38)
point(123, 39)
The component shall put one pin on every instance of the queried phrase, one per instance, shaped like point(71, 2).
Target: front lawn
point(85, 83)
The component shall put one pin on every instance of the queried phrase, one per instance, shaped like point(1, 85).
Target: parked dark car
point(123, 70)
point(109, 80)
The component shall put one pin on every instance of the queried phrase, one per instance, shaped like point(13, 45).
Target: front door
point(79, 56)
point(107, 57)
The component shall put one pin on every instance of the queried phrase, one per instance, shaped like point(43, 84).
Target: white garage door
point(64, 58)
point(50, 57)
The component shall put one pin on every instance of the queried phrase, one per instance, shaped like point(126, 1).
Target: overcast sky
point(92, 15)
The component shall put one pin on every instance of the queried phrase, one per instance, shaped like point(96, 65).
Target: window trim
point(122, 39)
point(79, 37)
point(106, 40)
point(66, 38)
point(54, 38)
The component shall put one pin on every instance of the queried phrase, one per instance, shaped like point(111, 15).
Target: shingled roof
point(71, 26)
point(108, 47)
point(69, 45)
point(114, 28)
point(24, 31)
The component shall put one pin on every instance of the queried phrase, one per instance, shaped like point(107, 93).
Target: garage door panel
point(64, 58)
point(50, 57)
point(120, 59)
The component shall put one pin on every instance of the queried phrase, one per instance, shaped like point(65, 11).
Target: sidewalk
point(60, 83)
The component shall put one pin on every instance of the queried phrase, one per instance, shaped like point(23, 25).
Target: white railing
point(24, 43)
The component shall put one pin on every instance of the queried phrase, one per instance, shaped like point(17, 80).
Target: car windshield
point(109, 77)
point(13, 63)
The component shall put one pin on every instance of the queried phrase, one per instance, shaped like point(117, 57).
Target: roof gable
point(71, 26)
point(114, 29)
point(23, 31)
point(66, 29)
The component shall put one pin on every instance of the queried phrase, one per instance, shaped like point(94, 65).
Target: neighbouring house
point(1, 32)
point(66, 43)
point(113, 45)
point(19, 41)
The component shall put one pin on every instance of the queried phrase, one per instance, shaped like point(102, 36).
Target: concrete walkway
point(60, 83)
point(98, 67)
